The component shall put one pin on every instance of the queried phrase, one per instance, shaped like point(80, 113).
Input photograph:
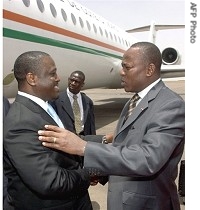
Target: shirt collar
point(71, 94)
point(37, 100)
point(143, 93)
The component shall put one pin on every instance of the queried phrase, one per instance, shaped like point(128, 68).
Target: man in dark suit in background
point(6, 107)
point(64, 105)
point(39, 178)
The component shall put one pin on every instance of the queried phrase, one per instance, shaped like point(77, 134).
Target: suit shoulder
point(86, 96)
point(87, 99)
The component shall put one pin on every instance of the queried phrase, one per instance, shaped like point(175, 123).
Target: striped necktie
point(132, 105)
point(77, 115)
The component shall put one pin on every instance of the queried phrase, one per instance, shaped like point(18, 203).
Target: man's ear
point(150, 70)
point(31, 79)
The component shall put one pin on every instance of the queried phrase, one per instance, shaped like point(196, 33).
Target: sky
point(129, 14)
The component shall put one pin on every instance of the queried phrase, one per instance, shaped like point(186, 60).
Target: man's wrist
point(82, 149)
point(104, 140)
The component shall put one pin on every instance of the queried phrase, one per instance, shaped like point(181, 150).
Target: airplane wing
point(157, 27)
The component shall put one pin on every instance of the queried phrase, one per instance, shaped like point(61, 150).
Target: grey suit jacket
point(63, 107)
point(142, 161)
point(39, 178)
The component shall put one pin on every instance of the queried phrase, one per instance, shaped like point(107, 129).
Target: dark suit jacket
point(39, 178)
point(143, 159)
point(6, 107)
point(64, 109)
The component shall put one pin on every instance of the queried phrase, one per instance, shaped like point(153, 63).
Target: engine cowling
point(170, 56)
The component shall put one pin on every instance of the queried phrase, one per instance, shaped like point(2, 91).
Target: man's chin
point(56, 95)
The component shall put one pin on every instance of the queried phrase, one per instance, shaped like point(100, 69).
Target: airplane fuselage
point(75, 37)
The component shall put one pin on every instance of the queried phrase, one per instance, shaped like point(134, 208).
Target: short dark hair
point(80, 73)
point(28, 62)
point(151, 53)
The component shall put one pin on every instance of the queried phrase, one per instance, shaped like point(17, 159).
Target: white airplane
point(75, 37)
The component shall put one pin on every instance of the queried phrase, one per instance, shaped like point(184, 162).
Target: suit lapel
point(66, 104)
point(34, 107)
point(85, 107)
point(141, 107)
point(136, 112)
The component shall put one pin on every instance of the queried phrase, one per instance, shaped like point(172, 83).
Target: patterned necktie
point(132, 105)
point(77, 115)
point(54, 115)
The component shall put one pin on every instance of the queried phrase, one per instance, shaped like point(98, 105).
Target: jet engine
point(170, 56)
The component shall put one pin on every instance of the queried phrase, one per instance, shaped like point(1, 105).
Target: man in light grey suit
point(142, 161)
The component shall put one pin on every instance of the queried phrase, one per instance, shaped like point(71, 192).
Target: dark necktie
point(132, 105)
point(77, 115)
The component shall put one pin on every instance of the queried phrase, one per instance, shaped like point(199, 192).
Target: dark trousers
point(82, 203)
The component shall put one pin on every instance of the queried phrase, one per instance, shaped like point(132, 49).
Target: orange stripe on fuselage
point(38, 24)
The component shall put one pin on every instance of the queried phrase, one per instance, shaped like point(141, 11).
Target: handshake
point(94, 180)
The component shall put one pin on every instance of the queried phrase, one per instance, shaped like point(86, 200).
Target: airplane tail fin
point(152, 33)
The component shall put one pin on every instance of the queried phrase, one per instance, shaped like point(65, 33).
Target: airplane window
point(73, 19)
point(95, 29)
point(106, 33)
point(26, 3)
point(115, 37)
point(119, 39)
point(88, 25)
point(64, 15)
point(81, 22)
point(111, 36)
point(101, 32)
point(40, 5)
point(53, 10)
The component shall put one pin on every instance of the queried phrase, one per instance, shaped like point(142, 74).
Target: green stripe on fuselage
point(47, 41)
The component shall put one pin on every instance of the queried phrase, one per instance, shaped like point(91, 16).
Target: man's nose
point(58, 78)
point(121, 72)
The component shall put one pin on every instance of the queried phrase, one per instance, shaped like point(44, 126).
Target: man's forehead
point(131, 53)
point(75, 76)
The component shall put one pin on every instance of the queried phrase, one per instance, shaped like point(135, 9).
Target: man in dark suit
point(6, 107)
point(142, 161)
point(63, 105)
point(39, 178)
